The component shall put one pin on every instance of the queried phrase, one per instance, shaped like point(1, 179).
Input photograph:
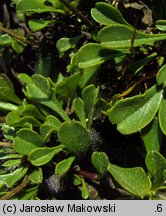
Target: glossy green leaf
point(152, 136)
point(161, 75)
point(106, 14)
point(54, 104)
point(43, 155)
point(64, 44)
point(63, 166)
point(89, 97)
point(25, 78)
point(120, 36)
point(76, 180)
point(162, 115)
point(12, 178)
point(7, 155)
point(45, 131)
point(133, 114)
point(161, 25)
point(134, 180)
point(7, 93)
point(37, 24)
point(36, 6)
point(84, 190)
point(88, 75)
point(14, 119)
point(59, 5)
point(156, 165)
point(67, 88)
point(74, 137)
point(53, 122)
point(12, 163)
point(36, 176)
point(79, 108)
point(5, 40)
point(43, 65)
point(26, 140)
point(73, 66)
point(7, 106)
point(31, 110)
point(18, 46)
point(92, 54)
point(51, 125)
point(39, 89)
point(100, 161)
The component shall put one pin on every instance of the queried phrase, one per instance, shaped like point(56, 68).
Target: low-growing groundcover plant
point(82, 99)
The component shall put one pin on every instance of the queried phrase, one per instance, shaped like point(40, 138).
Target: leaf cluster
point(50, 119)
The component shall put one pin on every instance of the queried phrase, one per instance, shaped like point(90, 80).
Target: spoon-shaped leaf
point(63, 166)
point(36, 6)
point(67, 88)
point(84, 190)
point(162, 115)
point(133, 114)
point(51, 124)
point(36, 24)
point(7, 106)
point(161, 75)
point(4, 155)
point(88, 75)
point(5, 40)
point(161, 25)
point(65, 44)
point(79, 108)
point(26, 140)
point(152, 136)
point(7, 93)
point(106, 14)
point(134, 180)
point(12, 163)
point(89, 96)
point(31, 110)
point(12, 178)
point(36, 176)
point(74, 137)
point(43, 155)
point(39, 89)
point(120, 36)
point(93, 54)
point(15, 120)
point(100, 162)
point(156, 165)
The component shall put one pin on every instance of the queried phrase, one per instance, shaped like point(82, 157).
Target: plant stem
point(6, 144)
point(76, 12)
point(15, 190)
point(17, 37)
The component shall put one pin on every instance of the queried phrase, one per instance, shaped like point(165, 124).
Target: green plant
point(43, 111)
point(133, 114)
point(50, 135)
point(135, 180)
